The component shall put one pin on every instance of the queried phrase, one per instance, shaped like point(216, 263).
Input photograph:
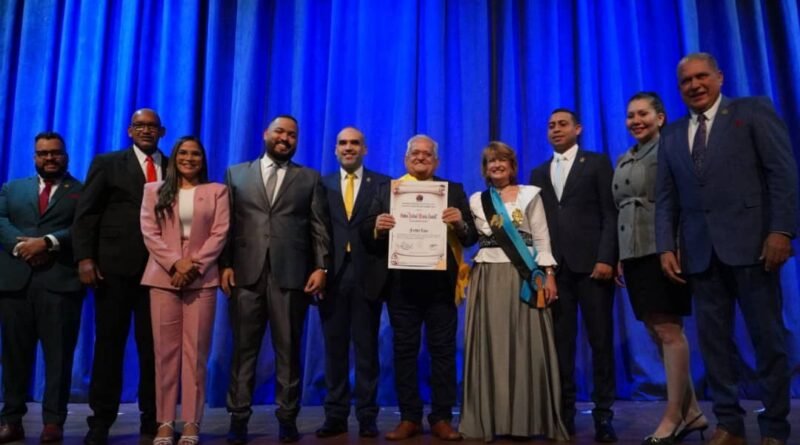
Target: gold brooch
point(497, 221)
point(516, 217)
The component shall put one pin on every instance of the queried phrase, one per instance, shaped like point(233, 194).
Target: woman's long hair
point(169, 189)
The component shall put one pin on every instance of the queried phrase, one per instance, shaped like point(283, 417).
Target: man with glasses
point(40, 294)
point(111, 257)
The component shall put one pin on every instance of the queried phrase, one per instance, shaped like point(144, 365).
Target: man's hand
point(452, 215)
point(227, 280)
point(39, 259)
point(671, 267)
point(315, 283)
point(28, 247)
point(89, 273)
point(602, 271)
point(777, 249)
point(384, 223)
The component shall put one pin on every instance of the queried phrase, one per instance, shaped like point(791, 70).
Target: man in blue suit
point(40, 294)
point(727, 183)
point(348, 310)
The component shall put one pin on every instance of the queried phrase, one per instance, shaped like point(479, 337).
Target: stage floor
point(633, 421)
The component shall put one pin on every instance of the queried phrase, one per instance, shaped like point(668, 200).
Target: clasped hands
point(184, 271)
point(32, 250)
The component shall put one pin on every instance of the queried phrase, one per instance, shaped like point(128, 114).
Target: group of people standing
point(700, 209)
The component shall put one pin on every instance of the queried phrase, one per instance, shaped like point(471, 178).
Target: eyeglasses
point(142, 127)
point(48, 153)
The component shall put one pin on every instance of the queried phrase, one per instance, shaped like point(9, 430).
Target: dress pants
point(116, 300)
point(250, 308)
point(182, 326)
point(419, 297)
point(348, 313)
point(27, 316)
point(595, 299)
point(716, 292)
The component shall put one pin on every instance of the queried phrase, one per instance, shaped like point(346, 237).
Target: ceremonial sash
point(509, 239)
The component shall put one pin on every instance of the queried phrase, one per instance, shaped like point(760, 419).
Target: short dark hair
point(48, 135)
point(285, 116)
point(655, 102)
point(575, 119)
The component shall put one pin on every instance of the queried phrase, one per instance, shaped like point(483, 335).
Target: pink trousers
point(182, 325)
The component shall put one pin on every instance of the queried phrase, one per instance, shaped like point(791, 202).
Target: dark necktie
point(44, 196)
point(699, 149)
point(151, 169)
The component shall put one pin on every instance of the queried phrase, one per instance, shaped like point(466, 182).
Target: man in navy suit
point(111, 256)
point(417, 297)
point(727, 183)
point(40, 294)
point(581, 218)
point(348, 311)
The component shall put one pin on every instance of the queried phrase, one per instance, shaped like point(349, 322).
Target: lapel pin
point(583, 159)
point(724, 111)
point(369, 179)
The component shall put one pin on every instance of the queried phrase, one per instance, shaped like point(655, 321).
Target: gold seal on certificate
point(419, 238)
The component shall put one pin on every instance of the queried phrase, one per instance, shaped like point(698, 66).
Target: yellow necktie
point(349, 194)
point(462, 277)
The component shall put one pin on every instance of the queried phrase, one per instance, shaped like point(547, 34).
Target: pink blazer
point(210, 222)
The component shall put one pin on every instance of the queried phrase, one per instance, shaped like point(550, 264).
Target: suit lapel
point(66, 185)
point(722, 121)
point(135, 173)
point(574, 175)
point(33, 194)
point(548, 180)
point(364, 193)
point(255, 181)
point(292, 170)
point(684, 155)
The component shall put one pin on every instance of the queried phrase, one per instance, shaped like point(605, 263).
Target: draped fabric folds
point(464, 72)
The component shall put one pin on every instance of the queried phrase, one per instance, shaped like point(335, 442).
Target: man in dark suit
point(275, 259)
point(348, 311)
point(581, 217)
point(111, 258)
point(40, 294)
point(727, 183)
point(422, 297)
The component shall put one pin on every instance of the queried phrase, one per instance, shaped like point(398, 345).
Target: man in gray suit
point(727, 185)
point(40, 294)
point(275, 260)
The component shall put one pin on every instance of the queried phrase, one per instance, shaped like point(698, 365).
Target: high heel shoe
point(690, 427)
point(653, 440)
point(165, 440)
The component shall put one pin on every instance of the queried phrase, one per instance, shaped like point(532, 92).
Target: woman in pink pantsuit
point(185, 224)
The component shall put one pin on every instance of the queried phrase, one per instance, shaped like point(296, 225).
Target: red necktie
point(151, 169)
point(44, 196)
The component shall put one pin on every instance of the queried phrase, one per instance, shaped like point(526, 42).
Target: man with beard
point(275, 260)
point(111, 257)
point(40, 294)
point(348, 310)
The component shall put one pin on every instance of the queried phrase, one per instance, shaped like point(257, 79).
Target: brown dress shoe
point(11, 432)
point(444, 431)
point(52, 433)
point(771, 441)
point(404, 430)
point(722, 437)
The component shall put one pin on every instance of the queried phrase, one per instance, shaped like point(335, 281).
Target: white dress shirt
point(566, 160)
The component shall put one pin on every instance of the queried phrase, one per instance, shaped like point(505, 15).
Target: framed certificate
point(419, 237)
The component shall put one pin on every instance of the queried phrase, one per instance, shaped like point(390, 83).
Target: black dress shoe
point(331, 428)
point(237, 433)
point(96, 436)
point(287, 432)
point(368, 429)
point(11, 432)
point(604, 432)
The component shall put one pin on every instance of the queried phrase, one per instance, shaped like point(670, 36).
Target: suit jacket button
point(622, 228)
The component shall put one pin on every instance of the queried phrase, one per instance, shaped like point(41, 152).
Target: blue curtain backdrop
point(465, 72)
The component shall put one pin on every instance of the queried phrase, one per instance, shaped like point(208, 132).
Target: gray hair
point(424, 137)
point(706, 57)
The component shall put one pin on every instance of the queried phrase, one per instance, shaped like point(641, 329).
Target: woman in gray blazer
point(656, 301)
